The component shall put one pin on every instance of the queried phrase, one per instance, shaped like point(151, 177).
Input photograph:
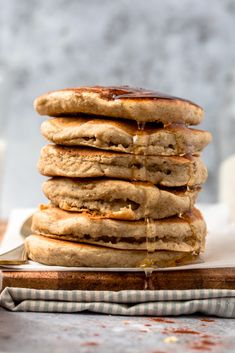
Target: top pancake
point(120, 102)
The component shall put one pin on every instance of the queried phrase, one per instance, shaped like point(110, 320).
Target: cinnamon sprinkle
point(204, 345)
point(182, 331)
point(161, 319)
point(207, 320)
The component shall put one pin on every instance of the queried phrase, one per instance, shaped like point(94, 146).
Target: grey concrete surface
point(42, 333)
point(182, 47)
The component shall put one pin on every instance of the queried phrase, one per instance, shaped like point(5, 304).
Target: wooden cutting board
point(223, 278)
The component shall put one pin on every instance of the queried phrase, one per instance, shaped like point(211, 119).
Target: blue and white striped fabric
point(218, 302)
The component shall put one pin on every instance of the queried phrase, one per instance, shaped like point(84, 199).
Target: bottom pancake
point(69, 254)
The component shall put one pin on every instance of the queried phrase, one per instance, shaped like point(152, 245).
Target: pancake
point(186, 233)
point(120, 102)
point(123, 136)
point(118, 199)
point(63, 253)
point(81, 162)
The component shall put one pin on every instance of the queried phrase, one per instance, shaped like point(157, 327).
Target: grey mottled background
point(186, 48)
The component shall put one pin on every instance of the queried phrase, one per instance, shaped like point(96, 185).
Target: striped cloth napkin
point(218, 302)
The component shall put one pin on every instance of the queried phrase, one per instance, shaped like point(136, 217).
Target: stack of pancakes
point(126, 171)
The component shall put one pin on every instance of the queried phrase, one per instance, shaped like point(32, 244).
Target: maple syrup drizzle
point(188, 217)
point(150, 236)
point(141, 126)
point(173, 128)
point(135, 93)
point(131, 93)
point(191, 173)
point(177, 144)
point(149, 222)
point(191, 201)
point(148, 274)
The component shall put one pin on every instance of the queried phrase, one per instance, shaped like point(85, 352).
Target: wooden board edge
point(223, 278)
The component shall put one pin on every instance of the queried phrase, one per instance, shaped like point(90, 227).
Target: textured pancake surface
point(118, 199)
point(78, 162)
point(186, 233)
point(124, 136)
point(119, 102)
point(63, 253)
